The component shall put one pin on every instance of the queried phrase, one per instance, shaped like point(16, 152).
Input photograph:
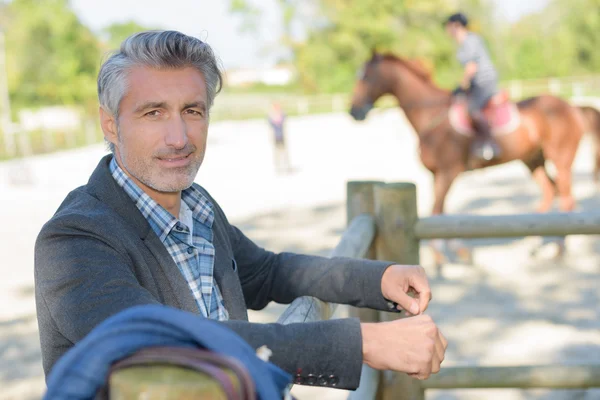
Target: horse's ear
point(375, 56)
point(374, 53)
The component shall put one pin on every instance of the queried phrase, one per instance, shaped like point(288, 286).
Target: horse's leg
point(537, 166)
point(563, 160)
point(442, 181)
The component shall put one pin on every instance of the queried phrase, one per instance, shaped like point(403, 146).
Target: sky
point(211, 21)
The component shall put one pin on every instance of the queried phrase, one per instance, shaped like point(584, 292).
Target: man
point(479, 82)
point(142, 232)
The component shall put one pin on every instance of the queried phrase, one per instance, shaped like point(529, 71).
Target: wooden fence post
point(164, 382)
point(396, 216)
point(360, 199)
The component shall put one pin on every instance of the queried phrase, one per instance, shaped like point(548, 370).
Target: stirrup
point(488, 152)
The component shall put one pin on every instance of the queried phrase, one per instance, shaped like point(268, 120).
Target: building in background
point(279, 75)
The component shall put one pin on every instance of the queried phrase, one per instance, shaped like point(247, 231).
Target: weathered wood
point(355, 242)
point(396, 215)
point(521, 377)
point(164, 382)
point(360, 200)
point(501, 226)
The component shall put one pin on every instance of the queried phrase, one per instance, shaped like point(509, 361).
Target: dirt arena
point(507, 309)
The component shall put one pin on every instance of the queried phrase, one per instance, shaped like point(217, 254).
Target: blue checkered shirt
point(188, 240)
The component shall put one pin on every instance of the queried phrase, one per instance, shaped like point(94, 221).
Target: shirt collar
point(160, 220)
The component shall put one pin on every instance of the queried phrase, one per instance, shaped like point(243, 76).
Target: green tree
point(115, 33)
point(52, 58)
point(336, 48)
point(339, 36)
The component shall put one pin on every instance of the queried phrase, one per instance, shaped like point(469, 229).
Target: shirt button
point(179, 227)
point(190, 250)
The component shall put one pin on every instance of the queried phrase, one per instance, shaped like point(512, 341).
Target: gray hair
point(160, 50)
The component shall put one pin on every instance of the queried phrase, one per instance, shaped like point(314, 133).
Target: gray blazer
point(97, 256)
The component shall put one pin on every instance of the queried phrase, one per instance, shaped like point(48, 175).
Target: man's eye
point(194, 112)
point(153, 113)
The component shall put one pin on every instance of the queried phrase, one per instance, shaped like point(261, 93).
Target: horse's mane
point(415, 66)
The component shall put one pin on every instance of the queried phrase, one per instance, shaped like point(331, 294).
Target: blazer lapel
point(103, 186)
point(179, 287)
point(226, 277)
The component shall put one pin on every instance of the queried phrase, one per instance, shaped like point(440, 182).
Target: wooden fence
point(393, 208)
point(383, 224)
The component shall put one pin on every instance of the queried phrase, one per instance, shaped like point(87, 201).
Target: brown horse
point(548, 129)
point(592, 119)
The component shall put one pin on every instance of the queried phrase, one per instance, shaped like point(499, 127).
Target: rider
point(479, 81)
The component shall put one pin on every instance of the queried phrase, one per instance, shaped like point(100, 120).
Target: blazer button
point(299, 379)
point(333, 380)
point(322, 380)
point(311, 379)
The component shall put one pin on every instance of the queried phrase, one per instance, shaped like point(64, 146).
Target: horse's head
point(387, 73)
point(369, 87)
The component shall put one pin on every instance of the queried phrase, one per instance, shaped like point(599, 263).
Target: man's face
point(451, 29)
point(161, 132)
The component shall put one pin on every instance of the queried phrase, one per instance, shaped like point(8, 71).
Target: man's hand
point(458, 91)
point(411, 345)
point(400, 280)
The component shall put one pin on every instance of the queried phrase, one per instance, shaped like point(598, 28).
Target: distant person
point(479, 82)
point(277, 119)
point(142, 232)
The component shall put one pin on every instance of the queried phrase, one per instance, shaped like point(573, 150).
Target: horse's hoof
point(465, 256)
point(561, 249)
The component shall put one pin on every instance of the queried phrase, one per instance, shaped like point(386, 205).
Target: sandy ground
point(508, 308)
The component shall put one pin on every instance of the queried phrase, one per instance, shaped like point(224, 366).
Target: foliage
point(119, 31)
point(50, 60)
point(339, 36)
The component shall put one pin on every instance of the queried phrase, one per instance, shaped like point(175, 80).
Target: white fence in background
point(240, 106)
point(23, 141)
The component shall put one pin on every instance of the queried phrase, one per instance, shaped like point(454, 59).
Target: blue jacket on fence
point(83, 370)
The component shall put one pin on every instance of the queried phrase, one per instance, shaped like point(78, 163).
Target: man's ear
point(108, 124)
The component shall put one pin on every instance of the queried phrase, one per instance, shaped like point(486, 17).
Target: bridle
point(433, 123)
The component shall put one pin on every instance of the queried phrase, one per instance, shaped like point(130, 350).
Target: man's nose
point(176, 133)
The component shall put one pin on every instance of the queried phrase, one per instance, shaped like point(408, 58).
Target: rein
point(434, 123)
point(427, 104)
point(439, 117)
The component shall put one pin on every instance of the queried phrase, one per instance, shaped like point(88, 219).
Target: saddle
point(501, 113)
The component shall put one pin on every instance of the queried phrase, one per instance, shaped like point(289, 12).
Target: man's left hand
point(398, 281)
point(458, 91)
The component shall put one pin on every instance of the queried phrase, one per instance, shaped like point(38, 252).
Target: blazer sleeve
point(267, 276)
point(83, 276)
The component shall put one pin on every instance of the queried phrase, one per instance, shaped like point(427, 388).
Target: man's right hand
point(411, 345)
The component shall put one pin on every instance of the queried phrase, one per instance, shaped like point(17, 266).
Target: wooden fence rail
point(522, 377)
point(503, 226)
point(355, 243)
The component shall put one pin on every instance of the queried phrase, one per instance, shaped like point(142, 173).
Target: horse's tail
point(591, 120)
